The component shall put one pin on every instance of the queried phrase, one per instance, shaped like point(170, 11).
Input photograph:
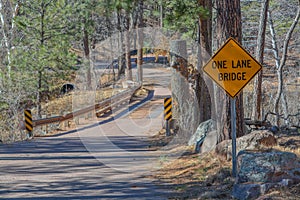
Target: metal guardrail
point(99, 108)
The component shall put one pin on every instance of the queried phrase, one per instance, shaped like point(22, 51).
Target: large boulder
point(260, 139)
point(260, 171)
point(201, 132)
point(209, 142)
point(185, 105)
point(268, 166)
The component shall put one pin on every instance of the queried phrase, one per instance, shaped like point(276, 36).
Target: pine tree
point(228, 25)
point(43, 53)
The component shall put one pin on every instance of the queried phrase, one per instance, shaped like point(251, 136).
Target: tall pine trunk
point(205, 41)
point(87, 61)
point(228, 25)
point(128, 71)
point(121, 46)
point(140, 39)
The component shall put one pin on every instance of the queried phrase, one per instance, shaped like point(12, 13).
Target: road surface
point(104, 160)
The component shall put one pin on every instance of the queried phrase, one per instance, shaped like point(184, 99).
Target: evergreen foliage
point(42, 53)
point(183, 16)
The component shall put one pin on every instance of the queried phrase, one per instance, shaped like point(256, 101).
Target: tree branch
point(288, 37)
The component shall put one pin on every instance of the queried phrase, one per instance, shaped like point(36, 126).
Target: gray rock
point(260, 171)
point(201, 132)
point(274, 129)
point(268, 167)
point(262, 139)
point(246, 191)
point(209, 142)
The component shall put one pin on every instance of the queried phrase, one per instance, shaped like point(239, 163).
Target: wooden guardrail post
point(76, 119)
point(45, 127)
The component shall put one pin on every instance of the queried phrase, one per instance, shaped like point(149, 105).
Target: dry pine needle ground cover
point(208, 176)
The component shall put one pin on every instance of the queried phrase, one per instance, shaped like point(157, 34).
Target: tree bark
point(5, 38)
point(161, 14)
point(121, 46)
point(39, 94)
point(206, 26)
point(7, 27)
point(140, 39)
point(257, 92)
point(128, 71)
point(228, 25)
point(40, 71)
point(86, 49)
point(205, 40)
point(280, 62)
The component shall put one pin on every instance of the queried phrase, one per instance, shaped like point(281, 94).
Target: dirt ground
point(208, 176)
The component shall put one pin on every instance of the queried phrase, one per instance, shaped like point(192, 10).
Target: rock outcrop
point(260, 171)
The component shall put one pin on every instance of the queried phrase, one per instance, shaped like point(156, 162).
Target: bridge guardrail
point(99, 108)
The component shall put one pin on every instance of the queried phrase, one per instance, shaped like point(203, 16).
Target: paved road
point(106, 160)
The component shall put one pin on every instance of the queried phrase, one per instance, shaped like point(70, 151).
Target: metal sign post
point(233, 135)
point(232, 67)
point(167, 128)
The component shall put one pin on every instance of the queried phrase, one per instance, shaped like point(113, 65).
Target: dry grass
point(106, 78)
point(193, 176)
point(208, 176)
point(65, 103)
point(198, 177)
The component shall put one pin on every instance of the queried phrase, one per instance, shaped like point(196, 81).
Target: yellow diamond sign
point(232, 67)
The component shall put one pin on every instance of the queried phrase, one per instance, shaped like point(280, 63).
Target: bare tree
point(12, 93)
point(8, 11)
point(280, 62)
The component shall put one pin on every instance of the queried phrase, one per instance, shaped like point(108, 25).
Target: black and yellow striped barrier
point(168, 113)
point(168, 108)
point(28, 120)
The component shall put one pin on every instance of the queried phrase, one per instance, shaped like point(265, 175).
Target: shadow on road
point(60, 167)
